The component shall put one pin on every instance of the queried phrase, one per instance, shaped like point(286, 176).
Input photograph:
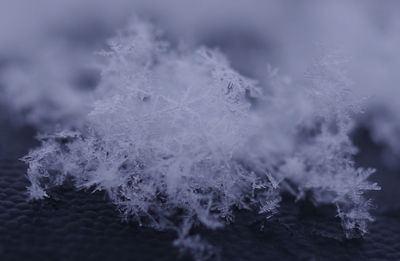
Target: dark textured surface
point(70, 226)
point(79, 225)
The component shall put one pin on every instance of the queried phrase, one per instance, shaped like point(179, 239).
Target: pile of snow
point(177, 139)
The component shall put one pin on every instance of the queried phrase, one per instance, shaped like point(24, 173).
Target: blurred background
point(47, 48)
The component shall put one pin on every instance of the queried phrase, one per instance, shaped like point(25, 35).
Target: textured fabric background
point(79, 225)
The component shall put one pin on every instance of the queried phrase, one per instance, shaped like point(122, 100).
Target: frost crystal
point(178, 138)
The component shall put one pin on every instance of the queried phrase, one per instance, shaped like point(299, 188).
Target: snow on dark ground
point(78, 225)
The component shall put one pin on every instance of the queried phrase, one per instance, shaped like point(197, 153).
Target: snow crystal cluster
point(177, 138)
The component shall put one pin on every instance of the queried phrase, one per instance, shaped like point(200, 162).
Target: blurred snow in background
point(46, 47)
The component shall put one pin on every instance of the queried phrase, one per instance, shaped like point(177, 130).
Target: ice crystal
point(177, 138)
